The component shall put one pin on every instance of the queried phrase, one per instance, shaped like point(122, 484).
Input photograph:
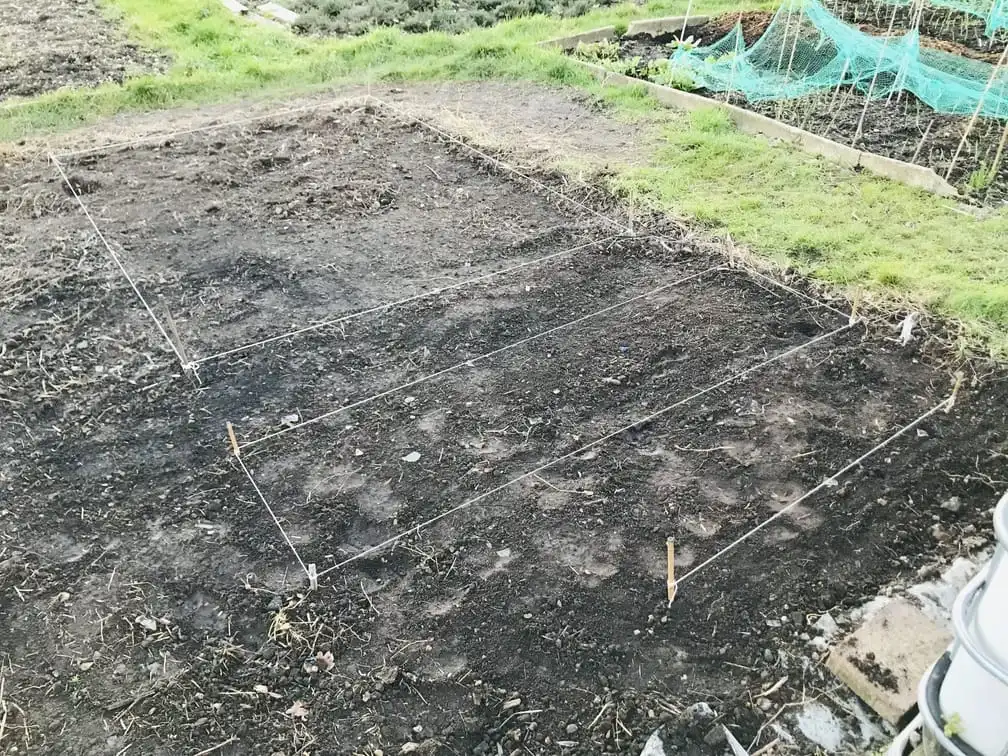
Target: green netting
point(806, 49)
point(994, 12)
point(998, 17)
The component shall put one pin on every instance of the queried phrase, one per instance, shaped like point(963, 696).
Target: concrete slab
point(602, 34)
point(239, 9)
point(658, 26)
point(278, 13)
point(884, 659)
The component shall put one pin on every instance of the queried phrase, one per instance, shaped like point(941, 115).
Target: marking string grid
point(626, 227)
point(193, 364)
point(413, 298)
point(541, 468)
point(486, 355)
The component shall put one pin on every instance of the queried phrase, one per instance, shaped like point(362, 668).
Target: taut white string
point(117, 261)
point(473, 360)
point(831, 480)
point(609, 436)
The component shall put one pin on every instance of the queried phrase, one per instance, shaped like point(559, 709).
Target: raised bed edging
point(658, 26)
point(754, 123)
point(651, 26)
point(602, 34)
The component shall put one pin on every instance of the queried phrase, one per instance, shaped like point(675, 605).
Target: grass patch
point(839, 227)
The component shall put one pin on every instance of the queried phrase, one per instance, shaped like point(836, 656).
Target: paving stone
point(884, 659)
point(278, 12)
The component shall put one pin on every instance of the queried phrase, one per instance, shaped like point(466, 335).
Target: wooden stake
point(670, 546)
point(234, 440)
point(178, 339)
point(921, 143)
point(976, 113)
point(871, 87)
point(997, 157)
point(313, 577)
point(855, 306)
point(955, 391)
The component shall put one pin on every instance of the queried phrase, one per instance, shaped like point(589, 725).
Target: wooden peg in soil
point(312, 577)
point(234, 440)
point(855, 306)
point(955, 390)
point(671, 585)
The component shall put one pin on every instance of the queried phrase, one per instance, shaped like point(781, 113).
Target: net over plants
point(993, 12)
point(806, 49)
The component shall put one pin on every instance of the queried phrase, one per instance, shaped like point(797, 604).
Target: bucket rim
point(1001, 521)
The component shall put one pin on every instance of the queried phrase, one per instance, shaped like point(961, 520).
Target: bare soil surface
point(963, 31)
point(62, 43)
point(149, 601)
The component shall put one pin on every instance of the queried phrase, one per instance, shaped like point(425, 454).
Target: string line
point(826, 483)
point(118, 262)
point(276, 520)
point(472, 360)
point(501, 164)
point(406, 300)
point(212, 126)
point(601, 440)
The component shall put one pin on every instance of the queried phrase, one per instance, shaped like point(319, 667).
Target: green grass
point(841, 228)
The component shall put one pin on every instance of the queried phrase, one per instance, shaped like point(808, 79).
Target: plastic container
point(973, 690)
point(992, 607)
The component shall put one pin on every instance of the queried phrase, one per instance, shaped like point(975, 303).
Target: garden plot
point(900, 127)
point(148, 599)
point(364, 469)
point(299, 225)
point(64, 43)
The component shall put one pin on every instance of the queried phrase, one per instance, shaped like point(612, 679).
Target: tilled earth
point(62, 43)
point(149, 602)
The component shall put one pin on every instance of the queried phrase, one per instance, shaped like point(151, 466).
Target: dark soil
point(147, 599)
point(903, 128)
point(62, 43)
point(876, 672)
point(962, 30)
point(353, 17)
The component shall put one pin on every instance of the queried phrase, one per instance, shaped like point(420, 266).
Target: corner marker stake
point(855, 306)
point(670, 544)
point(955, 391)
point(234, 441)
point(312, 577)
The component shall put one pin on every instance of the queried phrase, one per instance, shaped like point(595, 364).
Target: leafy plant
point(689, 43)
point(981, 178)
point(953, 726)
point(605, 51)
point(665, 73)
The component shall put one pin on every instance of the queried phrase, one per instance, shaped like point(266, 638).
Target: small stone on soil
point(953, 504)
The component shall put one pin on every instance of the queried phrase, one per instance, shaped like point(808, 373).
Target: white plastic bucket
point(974, 693)
point(992, 606)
